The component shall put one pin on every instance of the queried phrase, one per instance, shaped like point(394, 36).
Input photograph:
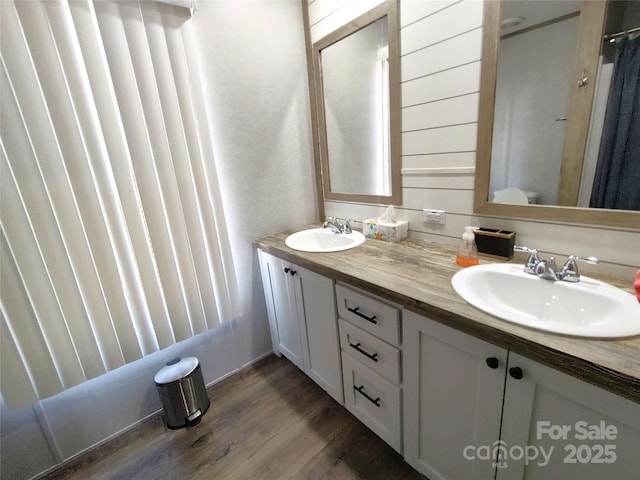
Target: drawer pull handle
point(357, 347)
point(360, 390)
point(356, 311)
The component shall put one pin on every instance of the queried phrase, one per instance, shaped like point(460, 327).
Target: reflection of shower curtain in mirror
point(617, 179)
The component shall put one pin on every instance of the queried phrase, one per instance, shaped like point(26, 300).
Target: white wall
point(351, 92)
point(255, 82)
point(527, 139)
point(257, 95)
point(441, 45)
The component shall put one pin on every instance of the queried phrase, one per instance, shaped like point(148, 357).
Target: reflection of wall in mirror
point(533, 90)
point(352, 109)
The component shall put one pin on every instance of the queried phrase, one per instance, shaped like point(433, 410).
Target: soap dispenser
point(467, 251)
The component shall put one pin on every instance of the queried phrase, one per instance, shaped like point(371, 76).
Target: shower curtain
point(617, 179)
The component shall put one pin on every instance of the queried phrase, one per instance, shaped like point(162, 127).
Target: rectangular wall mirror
point(544, 136)
point(357, 80)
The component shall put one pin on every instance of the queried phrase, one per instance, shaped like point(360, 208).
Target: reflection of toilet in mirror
point(515, 196)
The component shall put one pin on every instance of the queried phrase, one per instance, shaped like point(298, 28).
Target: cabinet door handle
point(290, 271)
point(360, 390)
point(493, 362)
point(356, 311)
point(287, 269)
point(373, 357)
point(516, 372)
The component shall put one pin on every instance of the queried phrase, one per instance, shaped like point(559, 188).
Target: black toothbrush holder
point(494, 242)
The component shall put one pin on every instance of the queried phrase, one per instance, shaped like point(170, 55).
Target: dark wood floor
point(267, 422)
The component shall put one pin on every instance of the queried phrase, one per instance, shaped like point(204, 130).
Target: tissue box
point(388, 231)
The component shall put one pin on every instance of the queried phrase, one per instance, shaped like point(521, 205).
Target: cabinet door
point(316, 307)
point(264, 259)
point(453, 385)
point(556, 426)
point(281, 307)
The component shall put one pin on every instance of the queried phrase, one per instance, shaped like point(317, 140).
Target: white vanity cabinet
point(302, 315)
point(453, 386)
point(466, 400)
point(279, 292)
point(584, 431)
point(370, 342)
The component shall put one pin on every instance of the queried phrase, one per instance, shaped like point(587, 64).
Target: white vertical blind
point(113, 238)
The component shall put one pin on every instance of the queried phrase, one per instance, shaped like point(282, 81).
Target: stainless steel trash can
point(182, 392)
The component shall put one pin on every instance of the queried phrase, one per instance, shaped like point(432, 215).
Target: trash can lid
point(176, 369)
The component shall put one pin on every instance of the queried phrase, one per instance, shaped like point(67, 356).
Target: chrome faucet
point(532, 261)
point(548, 269)
point(338, 225)
point(570, 269)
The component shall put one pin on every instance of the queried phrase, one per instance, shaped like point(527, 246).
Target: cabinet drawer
point(373, 400)
point(370, 314)
point(381, 357)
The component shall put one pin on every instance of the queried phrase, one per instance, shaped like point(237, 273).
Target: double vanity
point(458, 392)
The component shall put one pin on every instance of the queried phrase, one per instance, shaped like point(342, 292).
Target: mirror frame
point(577, 215)
point(387, 9)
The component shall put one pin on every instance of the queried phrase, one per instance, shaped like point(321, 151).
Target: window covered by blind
point(113, 238)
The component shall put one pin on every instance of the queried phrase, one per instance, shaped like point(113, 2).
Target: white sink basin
point(323, 240)
point(589, 308)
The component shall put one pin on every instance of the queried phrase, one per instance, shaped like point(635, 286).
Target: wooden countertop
point(417, 275)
